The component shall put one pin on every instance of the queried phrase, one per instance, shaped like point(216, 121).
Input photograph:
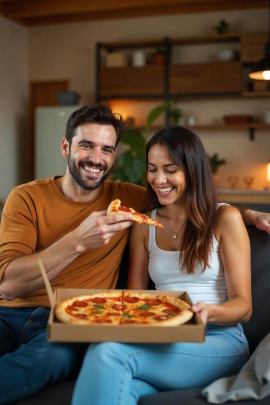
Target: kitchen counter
point(244, 196)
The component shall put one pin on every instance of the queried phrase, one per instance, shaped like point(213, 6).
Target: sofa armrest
point(259, 326)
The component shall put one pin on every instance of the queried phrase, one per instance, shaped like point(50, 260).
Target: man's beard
point(75, 173)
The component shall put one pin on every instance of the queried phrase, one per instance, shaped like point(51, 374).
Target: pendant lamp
point(261, 70)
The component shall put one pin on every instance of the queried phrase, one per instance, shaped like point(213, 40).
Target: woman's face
point(165, 177)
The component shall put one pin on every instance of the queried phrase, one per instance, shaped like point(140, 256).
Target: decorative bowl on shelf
point(237, 119)
point(226, 55)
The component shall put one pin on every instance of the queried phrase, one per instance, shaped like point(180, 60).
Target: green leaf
point(132, 167)
point(120, 175)
point(156, 112)
point(145, 306)
point(99, 306)
point(135, 140)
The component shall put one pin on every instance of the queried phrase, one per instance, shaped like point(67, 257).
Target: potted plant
point(130, 165)
point(159, 55)
point(175, 115)
point(222, 26)
point(215, 162)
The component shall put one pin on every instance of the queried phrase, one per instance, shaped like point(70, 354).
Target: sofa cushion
point(259, 326)
point(57, 394)
point(187, 397)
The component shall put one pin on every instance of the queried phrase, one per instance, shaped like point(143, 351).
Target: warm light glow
point(261, 70)
point(268, 172)
point(262, 75)
point(139, 109)
point(122, 107)
point(266, 75)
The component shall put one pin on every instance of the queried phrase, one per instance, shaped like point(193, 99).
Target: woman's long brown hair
point(187, 151)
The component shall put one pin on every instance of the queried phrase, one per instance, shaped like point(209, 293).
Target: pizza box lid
point(192, 331)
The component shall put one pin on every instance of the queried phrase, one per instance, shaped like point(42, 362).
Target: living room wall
point(71, 48)
point(13, 105)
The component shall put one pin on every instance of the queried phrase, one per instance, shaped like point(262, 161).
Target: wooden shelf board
point(132, 44)
point(244, 196)
point(202, 39)
point(255, 94)
point(212, 38)
point(135, 97)
point(255, 125)
point(203, 96)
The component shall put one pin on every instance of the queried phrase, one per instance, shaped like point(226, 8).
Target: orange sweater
point(37, 214)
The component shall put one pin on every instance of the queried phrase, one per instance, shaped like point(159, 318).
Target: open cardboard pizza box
point(192, 331)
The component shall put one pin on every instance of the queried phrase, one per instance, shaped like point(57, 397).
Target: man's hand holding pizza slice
point(97, 229)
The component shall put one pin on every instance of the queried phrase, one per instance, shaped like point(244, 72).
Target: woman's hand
point(202, 308)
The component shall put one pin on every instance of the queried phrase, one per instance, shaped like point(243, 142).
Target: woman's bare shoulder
point(227, 214)
point(228, 220)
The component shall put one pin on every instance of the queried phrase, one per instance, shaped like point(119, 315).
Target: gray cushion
point(259, 326)
point(187, 397)
point(58, 394)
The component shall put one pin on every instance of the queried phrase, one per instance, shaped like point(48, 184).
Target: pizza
point(124, 308)
point(115, 207)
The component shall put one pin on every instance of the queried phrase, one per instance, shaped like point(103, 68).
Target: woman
point(202, 249)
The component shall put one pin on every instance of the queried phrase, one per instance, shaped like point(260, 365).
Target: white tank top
point(208, 286)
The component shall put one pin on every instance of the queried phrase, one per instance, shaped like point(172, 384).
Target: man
point(63, 222)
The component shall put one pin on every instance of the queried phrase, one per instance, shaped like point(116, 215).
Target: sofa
point(256, 329)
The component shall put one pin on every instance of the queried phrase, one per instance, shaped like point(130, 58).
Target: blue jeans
point(28, 362)
point(118, 373)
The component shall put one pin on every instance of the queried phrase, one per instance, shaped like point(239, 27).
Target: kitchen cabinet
point(205, 79)
point(175, 79)
point(132, 82)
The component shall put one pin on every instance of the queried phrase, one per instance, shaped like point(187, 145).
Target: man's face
point(91, 154)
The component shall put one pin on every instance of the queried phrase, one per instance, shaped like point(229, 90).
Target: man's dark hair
point(98, 114)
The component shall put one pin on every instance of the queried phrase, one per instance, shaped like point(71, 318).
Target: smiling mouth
point(92, 169)
point(165, 190)
point(91, 173)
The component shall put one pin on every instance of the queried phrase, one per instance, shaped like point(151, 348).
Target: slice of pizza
point(154, 310)
point(99, 308)
point(115, 207)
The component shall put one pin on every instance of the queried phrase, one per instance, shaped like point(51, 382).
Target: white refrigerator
point(50, 127)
